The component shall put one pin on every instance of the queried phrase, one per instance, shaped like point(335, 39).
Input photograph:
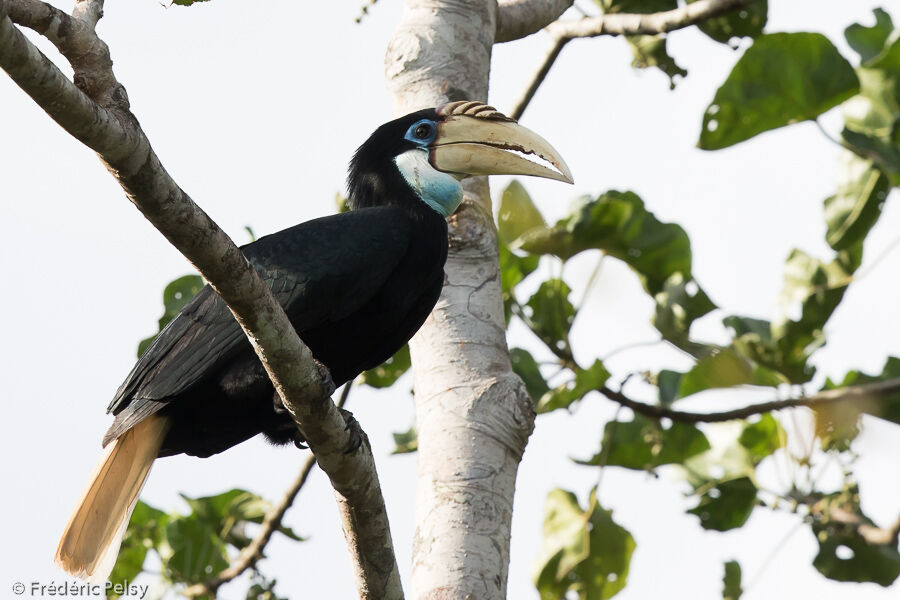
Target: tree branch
point(645, 24)
point(875, 536)
point(88, 11)
point(541, 74)
point(94, 109)
point(853, 393)
point(617, 24)
point(520, 18)
point(253, 552)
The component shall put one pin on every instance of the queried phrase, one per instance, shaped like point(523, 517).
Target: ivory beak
point(468, 145)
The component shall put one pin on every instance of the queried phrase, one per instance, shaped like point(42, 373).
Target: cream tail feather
point(91, 540)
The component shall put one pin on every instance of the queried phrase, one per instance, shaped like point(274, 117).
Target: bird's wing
point(320, 271)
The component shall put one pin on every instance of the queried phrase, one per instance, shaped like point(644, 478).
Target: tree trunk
point(473, 413)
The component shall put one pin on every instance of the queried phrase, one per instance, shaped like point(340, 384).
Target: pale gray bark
point(94, 109)
point(519, 18)
point(645, 24)
point(472, 413)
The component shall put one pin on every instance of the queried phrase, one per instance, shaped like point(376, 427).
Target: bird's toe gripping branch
point(356, 432)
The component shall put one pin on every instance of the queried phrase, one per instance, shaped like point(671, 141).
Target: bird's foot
point(356, 432)
point(325, 375)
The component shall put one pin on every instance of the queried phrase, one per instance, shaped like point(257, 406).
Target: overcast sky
point(255, 109)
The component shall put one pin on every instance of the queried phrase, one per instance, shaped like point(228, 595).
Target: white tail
point(91, 540)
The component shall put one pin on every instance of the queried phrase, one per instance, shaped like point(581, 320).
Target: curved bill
point(477, 146)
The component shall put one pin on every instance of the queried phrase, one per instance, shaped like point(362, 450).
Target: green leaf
point(518, 214)
point(785, 346)
point(762, 438)
point(262, 588)
point(844, 554)
point(643, 444)
point(749, 21)
point(732, 580)
point(650, 51)
point(388, 372)
point(586, 380)
point(551, 314)
point(227, 512)
point(406, 441)
point(680, 302)
point(872, 117)
point(186, 2)
point(144, 532)
point(725, 368)
point(620, 225)
point(176, 295)
point(852, 212)
point(782, 78)
point(869, 41)
point(193, 550)
point(885, 407)
point(819, 287)
point(668, 383)
point(584, 551)
point(727, 505)
point(513, 269)
point(524, 365)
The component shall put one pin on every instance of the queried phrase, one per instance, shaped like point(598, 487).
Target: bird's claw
point(356, 432)
point(325, 375)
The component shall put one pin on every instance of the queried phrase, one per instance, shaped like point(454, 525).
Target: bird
point(356, 286)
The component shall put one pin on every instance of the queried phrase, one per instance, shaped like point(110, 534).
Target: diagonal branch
point(520, 18)
point(253, 553)
point(645, 24)
point(853, 393)
point(94, 110)
point(538, 78)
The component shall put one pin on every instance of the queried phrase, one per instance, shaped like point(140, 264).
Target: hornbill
point(356, 286)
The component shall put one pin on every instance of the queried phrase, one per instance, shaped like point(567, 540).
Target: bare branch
point(649, 24)
point(44, 18)
point(253, 553)
point(520, 18)
point(616, 24)
point(76, 40)
point(876, 536)
point(88, 11)
point(854, 393)
point(536, 81)
point(101, 120)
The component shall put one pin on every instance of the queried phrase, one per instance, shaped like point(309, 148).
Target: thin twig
point(621, 24)
point(854, 393)
point(252, 554)
point(538, 78)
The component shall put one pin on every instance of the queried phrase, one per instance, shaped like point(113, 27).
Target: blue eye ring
point(422, 132)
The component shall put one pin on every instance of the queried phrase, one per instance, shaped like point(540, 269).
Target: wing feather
point(320, 271)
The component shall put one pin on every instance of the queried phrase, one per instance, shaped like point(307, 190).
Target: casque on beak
point(475, 139)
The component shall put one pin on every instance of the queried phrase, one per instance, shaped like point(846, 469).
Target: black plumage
point(355, 285)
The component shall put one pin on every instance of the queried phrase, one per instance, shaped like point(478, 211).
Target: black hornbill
point(356, 287)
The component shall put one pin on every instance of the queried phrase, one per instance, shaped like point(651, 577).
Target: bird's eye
point(422, 131)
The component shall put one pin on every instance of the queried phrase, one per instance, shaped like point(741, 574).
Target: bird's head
point(420, 158)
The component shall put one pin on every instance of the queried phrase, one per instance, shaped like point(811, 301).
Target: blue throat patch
point(441, 191)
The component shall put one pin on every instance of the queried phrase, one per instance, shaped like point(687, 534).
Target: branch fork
point(94, 108)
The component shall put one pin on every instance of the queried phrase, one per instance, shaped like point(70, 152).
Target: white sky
point(255, 108)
